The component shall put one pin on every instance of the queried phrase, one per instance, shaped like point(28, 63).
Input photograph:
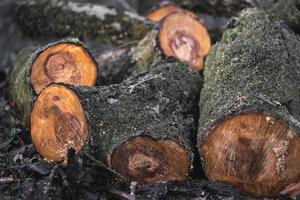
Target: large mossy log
point(141, 127)
point(60, 18)
point(289, 12)
point(250, 106)
point(65, 61)
point(226, 8)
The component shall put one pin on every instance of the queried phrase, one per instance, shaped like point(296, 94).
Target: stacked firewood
point(136, 107)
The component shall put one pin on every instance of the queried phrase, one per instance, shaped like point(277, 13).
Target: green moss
point(20, 90)
point(289, 12)
point(55, 18)
point(159, 103)
point(254, 68)
point(131, 61)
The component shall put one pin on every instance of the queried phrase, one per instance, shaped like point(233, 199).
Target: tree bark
point(249, 106)
point(226, 8)
point(289, 12)
point(60, 18)
point(20, 91)
point(136, 127)
point(118, 64)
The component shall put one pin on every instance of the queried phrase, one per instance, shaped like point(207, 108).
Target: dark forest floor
point(25, 175)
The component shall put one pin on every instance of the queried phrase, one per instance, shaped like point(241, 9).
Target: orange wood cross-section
point(58, 123)
point(183, 36)
point(255, 152)
point(148, 161)
point(63, 63)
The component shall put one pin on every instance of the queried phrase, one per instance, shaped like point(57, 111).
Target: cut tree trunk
point(249, 110)
point(184, 37)
point(181, 35)
point(140, 127)
point(66, 61)
point(60, 18)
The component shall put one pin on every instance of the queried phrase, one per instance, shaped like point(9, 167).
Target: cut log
point(60, 18)
point(159, 13)
point(58, 123)
point(249, 110)
point(184, 37)
point(66, 61)
point(188, 42)
point(136, 127)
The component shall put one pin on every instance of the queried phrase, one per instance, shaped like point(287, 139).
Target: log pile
point(66, 61)
point(135, 107)
point(135, 127)
point(180, 35)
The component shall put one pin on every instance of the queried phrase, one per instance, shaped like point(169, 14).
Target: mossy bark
point(226, 8)
point(289, 12)
point(254, 68)
point(116, 65)
point(60, 18)
point(159, 104)
point(20, 88)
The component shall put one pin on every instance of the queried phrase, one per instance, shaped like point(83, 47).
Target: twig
point(101, 164)
point(51, 177)
point(132, 190)
point(120, 193)
point(132, 87)
point(5, 180)
point(267, 99)
point(63, 175)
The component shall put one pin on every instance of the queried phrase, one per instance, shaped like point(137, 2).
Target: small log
point(159, 13)
point(66, 61)
point(115, 65)
point(136, 127)
point(249, 110)
point(61, 18)
point(180, 35)
point(214, 24)
point(184, 37)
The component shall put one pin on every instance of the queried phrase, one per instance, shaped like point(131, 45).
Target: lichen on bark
point(289, 12)
point(159, 103)
point(20, 91)
point(254, 68)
